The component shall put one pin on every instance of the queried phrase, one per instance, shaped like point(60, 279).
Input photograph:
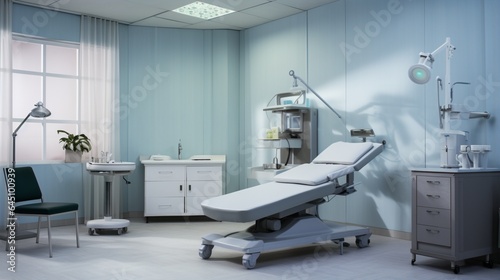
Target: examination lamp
point(295, 78)
point(420, 73)
point(38, 112)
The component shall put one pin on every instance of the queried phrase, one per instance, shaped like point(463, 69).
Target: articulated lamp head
point(420, 73)
point(40, 111)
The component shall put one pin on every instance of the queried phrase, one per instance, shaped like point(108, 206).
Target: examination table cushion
point(262, 201)
point(313, 174)
point(343, 153)
point(276, 197)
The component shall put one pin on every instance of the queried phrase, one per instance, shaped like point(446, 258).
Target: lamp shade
point(419, 73)
point(40, 111)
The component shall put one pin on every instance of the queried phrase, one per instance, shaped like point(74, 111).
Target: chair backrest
point(24, 181)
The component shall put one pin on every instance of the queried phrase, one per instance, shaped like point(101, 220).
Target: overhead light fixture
point(203, 10)
point(38, 112)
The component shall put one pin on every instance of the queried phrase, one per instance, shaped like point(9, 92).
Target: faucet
point(179, 149)
point(106, 157)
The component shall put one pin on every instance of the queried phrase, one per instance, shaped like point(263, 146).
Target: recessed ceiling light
point(203, 10)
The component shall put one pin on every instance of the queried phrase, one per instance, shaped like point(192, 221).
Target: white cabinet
point(164, 190)
point(178, 189)
point(202, 182)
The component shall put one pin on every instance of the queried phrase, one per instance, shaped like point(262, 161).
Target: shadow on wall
point(386, 200)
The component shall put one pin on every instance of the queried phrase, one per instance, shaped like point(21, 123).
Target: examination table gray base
point(280, 209)
point(301, 230)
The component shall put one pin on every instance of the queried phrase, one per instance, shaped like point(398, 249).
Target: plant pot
point(72, 156)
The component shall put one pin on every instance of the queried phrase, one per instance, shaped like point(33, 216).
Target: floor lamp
point(38, 112)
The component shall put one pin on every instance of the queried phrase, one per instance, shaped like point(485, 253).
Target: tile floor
point(169, 250)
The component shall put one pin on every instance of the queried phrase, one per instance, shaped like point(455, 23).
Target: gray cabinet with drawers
point(455, 214)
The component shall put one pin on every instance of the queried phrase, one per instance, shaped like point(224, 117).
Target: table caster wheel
point(456, 269)
point(488, 264)
point(250, 260)
point(362, 243)
point(92, 231)
point(205, 251)
point(119, 231)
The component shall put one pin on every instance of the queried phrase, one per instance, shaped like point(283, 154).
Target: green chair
point(26, 186)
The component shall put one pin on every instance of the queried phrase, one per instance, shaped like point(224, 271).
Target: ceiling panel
point(159, 13)
point(304, 5)
point(272, 11)
point(161, 22)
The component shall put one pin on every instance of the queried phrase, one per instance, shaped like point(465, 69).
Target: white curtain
point(99, 110)
point(5, 82)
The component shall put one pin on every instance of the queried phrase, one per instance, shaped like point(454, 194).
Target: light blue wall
point(269, 52)
point(182, 84)
point(208, 88)
point(367, 82)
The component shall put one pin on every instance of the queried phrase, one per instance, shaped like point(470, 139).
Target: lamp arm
point(292, 73)
point(14, 134)
point(17, 129)
point(444, 45)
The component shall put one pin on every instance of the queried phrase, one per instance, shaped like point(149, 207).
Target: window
point(44, 71)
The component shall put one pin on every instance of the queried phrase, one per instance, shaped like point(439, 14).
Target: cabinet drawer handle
point(180, 187)
point(433, 196)
point(433, 212)
point(189, 187)
point(165, 172)
point(203, 172)
point(433, 231)
point(433, 182)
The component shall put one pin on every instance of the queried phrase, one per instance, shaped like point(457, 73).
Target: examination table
point(280, 208)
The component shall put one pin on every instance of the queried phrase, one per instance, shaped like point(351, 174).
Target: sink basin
point(111, 166)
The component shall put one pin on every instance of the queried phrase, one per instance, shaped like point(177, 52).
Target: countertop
point(455, 170)
point(194, 160)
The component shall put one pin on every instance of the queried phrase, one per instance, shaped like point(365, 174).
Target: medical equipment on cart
point(279, 207)
point(109, 170)
point(451, 140)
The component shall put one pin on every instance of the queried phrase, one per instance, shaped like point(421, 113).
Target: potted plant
point(74, 145)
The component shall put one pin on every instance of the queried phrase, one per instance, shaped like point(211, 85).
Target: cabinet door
point(204, 188)
point(197, 191)
point(193, 205)
point(164, 198)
